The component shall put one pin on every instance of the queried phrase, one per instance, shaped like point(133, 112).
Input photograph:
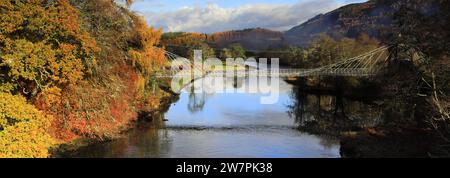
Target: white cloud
point(213, 18)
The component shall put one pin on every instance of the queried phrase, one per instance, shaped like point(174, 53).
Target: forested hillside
point(256, 39)
point(373, 18)
point(251, 39)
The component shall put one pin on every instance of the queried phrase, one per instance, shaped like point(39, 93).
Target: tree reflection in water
point(197, 100)
point(331, 115)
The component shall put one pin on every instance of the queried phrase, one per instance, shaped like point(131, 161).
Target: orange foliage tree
point(47, 48)
point(147, 59)
point(184, 39)
point(42, 45)
point(145, 56)
point(107, 102)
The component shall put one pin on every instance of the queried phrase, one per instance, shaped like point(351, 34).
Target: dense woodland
point(424, 25)
point(416, 82)
point(73, 69)
point(184, 44)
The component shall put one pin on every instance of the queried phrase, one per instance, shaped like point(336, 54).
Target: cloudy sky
point(208, 16)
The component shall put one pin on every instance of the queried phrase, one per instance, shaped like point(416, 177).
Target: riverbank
point(391, 143)
point(351, 88)
point(144, 117)
point(405, 129)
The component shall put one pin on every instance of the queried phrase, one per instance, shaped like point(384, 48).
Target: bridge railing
point(363, 65)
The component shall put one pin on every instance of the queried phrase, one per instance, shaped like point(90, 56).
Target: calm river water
point(229, 125)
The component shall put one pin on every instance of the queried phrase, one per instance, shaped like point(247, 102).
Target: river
point(232, 125)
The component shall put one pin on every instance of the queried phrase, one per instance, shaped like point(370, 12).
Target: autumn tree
point(323, 50)
point(42, 45)
point(423, 25)
point(295, 56)
point(326, 50)
point(207, 51)
point(144, 55)
point(129, 2)
point(84, 64)
point(225, 53)
point(237, 51)
point(22, 129)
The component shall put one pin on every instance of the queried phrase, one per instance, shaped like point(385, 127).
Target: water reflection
point(197, 102)
point(220, 124)
point(332, 115)
point(213, 143)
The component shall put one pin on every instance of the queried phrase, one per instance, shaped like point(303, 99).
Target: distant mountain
point(255, 39)
point(374, 18)
point(371, 17)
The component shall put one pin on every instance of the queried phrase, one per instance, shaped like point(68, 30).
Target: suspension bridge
point(364, 65)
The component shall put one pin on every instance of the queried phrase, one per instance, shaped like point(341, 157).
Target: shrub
point(93, 109)
point(22, 129)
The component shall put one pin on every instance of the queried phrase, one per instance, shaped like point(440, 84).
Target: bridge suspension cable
point(363, 65)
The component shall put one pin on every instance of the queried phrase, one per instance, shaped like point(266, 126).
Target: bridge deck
point(275, 73)
point(360, 66)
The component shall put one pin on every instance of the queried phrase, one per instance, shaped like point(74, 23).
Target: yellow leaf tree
point(22, 129)
point(42, 45)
